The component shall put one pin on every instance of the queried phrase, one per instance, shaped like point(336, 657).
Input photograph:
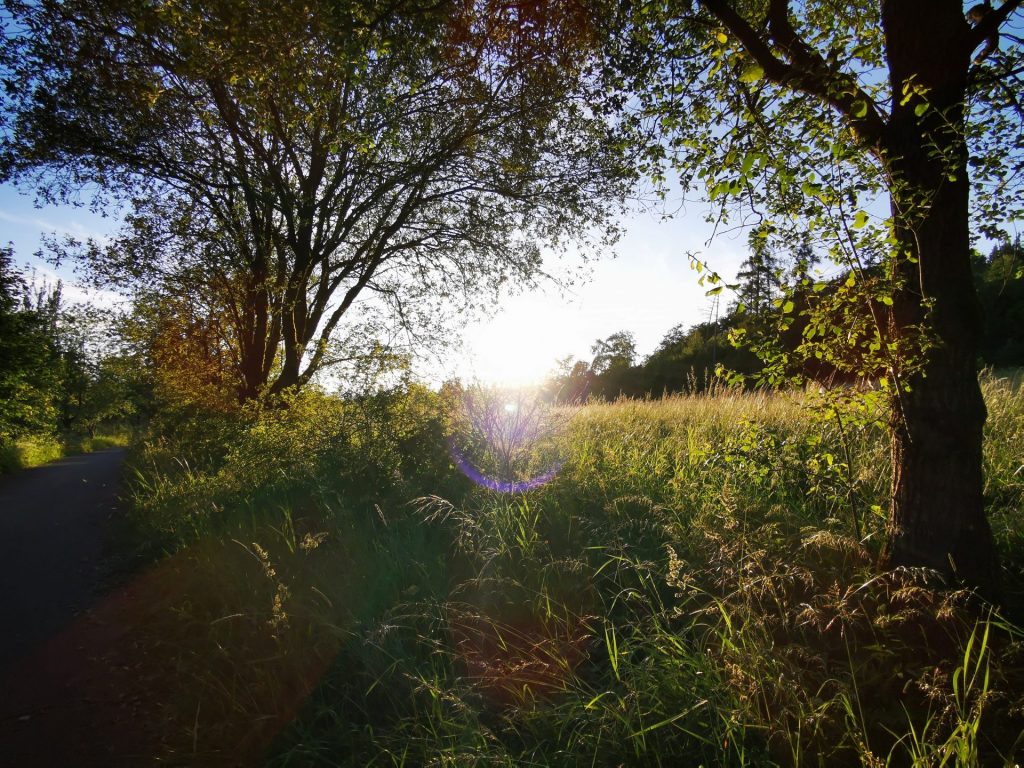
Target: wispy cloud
point(73, 228)
point(74, 293)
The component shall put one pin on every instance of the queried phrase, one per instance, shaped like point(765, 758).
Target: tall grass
point(698, 584)
point(36, 450)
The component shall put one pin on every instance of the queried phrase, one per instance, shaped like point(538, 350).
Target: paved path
point(137, 676)
point(53, 525)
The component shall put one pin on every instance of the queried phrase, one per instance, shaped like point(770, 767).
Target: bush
point(308, 455)
point(26, 452)
point(696, 583)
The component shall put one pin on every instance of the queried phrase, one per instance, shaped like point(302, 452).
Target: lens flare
point(501, 486)
point(503, 436)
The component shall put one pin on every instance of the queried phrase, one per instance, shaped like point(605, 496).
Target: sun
point(517, 346)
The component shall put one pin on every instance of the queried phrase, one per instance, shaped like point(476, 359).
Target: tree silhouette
point(284, 161)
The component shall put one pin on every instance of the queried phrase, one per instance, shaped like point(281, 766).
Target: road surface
point(131, 677)
point(53, 526)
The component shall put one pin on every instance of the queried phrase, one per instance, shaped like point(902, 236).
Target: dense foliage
point(694, 359)
point(696, 584)
point(29, 356)
point(1000, 279)
point(57, 382)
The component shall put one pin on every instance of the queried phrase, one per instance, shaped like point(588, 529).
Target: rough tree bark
point(938, 517)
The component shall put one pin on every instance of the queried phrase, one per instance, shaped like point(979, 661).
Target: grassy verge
point(696, 584)
point(35, 451)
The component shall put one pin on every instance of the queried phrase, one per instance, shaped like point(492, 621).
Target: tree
point(569, 382)
point(611, 370)
point(617, 351)
point(759, 277)
point(805, 259)
point(54, 374)
point(101, 380)
point(818, 114)
point(285, 160)
point(1000, 279)
point(686, 359)
point(29, 360)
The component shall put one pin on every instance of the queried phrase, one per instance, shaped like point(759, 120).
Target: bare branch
point(991, 23)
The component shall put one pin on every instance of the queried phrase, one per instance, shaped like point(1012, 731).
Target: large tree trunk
point(937, 518)
point(255, 334)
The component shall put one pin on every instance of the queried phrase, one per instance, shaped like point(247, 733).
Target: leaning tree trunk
point(937, 517)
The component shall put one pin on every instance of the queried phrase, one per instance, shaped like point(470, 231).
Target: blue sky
point(22, 224)
point(647, 289)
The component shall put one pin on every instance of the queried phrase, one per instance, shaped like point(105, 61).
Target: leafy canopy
point(791, 120)
point(287, 159)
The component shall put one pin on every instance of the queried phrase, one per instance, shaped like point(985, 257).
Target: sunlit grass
point(101, 440)
point(29, 452)
point(34, 451)
point(697, 585)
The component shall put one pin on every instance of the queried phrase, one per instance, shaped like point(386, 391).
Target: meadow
point(36, 450)
point(694, 583)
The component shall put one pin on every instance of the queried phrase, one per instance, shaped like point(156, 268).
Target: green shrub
point(697, 584)
point(308, 455)
point(25, 452)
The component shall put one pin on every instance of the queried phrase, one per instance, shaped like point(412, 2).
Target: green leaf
point(714, 291)
point(810, 189)
point(752, 74)
point(860, 108)
point(787, 307)
point(719, 189)
point(860, 220)
point(921, 108)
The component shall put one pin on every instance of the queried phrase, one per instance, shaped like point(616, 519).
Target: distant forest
point(49, 383)
point(687, 358)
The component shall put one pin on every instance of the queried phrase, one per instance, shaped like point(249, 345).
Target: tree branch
point(990, 24)
point(806, 71)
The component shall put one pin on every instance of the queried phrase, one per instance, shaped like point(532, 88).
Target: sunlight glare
point(518, 346)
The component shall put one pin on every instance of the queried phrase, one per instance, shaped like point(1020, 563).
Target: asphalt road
point(53, 526)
